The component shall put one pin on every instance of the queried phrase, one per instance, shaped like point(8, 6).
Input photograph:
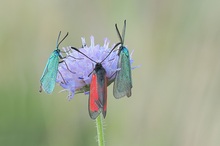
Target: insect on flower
point(48, 78)
point(91, 76)
point(123, 82)
point(98, 88)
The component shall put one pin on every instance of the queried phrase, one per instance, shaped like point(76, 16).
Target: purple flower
point(74, 72)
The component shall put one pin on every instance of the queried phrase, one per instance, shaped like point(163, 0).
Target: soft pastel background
point(176, 93)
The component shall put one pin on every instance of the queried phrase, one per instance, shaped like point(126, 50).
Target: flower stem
point(100, 132)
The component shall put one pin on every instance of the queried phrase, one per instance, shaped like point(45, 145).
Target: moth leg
point(67, 67)
point(92, 70)
point(62, 77)
point(75, 57)
point(112, 75)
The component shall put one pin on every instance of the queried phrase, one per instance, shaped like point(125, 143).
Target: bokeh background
point(176, 93)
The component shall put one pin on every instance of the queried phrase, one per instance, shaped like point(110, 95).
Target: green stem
point(100, 132)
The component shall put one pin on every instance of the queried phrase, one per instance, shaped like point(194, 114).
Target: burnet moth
point(123, 82)
point(48, 78)
point(98, 88)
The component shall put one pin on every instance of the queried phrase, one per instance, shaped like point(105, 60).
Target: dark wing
point(98, 94)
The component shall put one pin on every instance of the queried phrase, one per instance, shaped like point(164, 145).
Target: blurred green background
point(176, 93)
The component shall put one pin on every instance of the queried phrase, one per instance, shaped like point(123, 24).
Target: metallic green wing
point(48, 79)
point(123, 82)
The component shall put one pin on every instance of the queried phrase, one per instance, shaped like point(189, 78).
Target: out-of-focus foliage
point(176, 95)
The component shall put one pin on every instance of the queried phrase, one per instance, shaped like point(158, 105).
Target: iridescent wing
point(123, 82)
point(48, 79)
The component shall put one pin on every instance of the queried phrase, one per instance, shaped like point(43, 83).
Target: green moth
point(123, 82)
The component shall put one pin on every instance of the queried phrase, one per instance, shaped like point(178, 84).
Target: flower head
point(75, 70)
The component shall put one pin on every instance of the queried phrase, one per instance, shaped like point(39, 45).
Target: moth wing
point(94, 109)
point(98, 94)
point(102, 82)
point(48, 79)
point(123, 82)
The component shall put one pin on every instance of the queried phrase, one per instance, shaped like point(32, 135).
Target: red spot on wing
point(93, 97)
point(98, 96)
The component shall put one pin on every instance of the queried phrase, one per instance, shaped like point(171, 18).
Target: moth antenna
point(123, 32)
point(119, 35)
point(58, 39)
point(58, 43)
point(83, 54)
point(111, 51)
